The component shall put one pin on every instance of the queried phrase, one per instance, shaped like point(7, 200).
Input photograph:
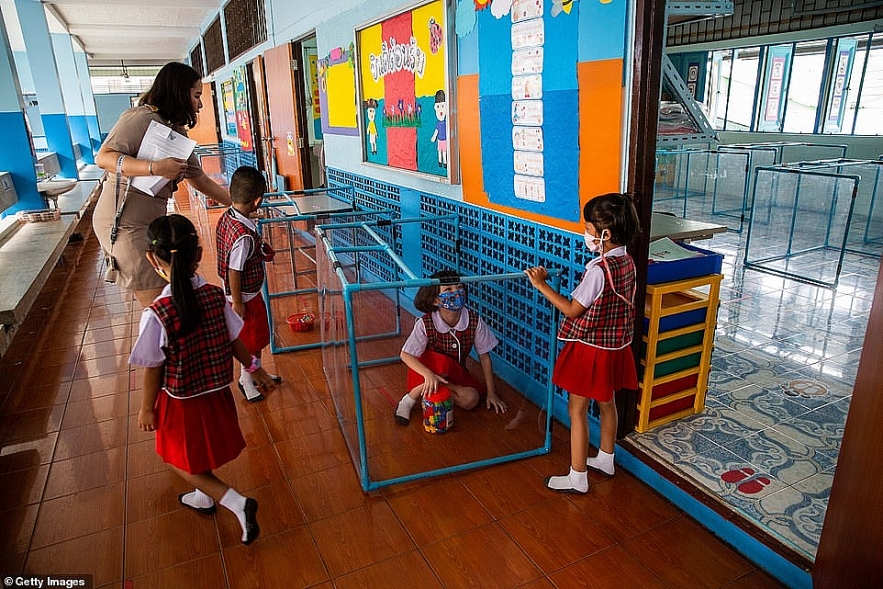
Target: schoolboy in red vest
point(241, 257)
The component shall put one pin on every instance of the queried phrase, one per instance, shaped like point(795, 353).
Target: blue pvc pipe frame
point(414, 282)
point(284, 199)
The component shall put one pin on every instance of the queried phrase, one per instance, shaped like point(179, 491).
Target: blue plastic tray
point(708, 263)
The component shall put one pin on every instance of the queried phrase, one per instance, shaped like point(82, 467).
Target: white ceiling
point(140, 32)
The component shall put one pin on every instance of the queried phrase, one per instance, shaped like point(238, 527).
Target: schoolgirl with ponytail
point(188, 338)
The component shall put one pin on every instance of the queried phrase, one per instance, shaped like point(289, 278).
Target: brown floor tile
point(613, 568)
point(84, 412)
point(401, 572)
point(99, 554)
point(360, 538)
point(289, 559)
point(299, 420)
point(278, 510)
point(195, 574)
point(556, 533)
point(329, 492)
point(493, 487)
point(94, 437)
point(312, 453)
point(29, 425)
point(153, 495)
point(23, 487)
point(86, 472)
point(683, 555)
point(31, 398)
point(78, 515)
point(168, 542)
point(98, 386)
point(461, 511)
point(24, 454)
point(484, 557)
point(18, 526)
point(253, 468)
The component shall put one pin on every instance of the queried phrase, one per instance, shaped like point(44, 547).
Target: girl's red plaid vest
point(202, 360)
point(609, 321)
point(457, 345)
point(228, 231)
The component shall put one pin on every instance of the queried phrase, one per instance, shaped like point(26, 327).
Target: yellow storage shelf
point(674, 381)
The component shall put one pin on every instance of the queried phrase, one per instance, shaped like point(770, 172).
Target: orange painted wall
point(600, 139)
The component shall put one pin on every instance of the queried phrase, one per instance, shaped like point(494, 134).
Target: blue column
point(89, 111)
point(17, 156)
point(62, 46)
point(38, 42)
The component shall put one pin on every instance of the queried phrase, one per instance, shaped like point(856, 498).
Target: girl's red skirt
point(592, 372)
point(198, 434)
point(447, 367)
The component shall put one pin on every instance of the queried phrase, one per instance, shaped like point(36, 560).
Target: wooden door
point(263, 135)
point(283, 112)
point(206, 131)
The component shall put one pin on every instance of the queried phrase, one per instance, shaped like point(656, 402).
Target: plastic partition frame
point(273, 203)
point(338, 259)
point(786, 208)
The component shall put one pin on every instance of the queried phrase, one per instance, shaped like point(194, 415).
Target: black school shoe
point(260, 397)
point(252, 529)
point(202, 510)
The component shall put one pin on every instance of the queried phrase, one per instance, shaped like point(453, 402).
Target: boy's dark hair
point(424, 300)
point(170, 93)
point(173, 239)
point(246, 184)
point(616, 213)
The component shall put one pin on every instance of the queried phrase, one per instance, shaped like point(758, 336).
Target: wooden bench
point(29, 253)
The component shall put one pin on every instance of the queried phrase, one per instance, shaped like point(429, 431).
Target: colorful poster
point(839, 87)
point(778, 63)
point(337, 92)
point(243, 118)
point(404, 90)
point(316, 111)
point(229, 107)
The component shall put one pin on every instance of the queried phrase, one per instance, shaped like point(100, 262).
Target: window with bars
point(245, 24)
point(213, 42)
point(196, 60)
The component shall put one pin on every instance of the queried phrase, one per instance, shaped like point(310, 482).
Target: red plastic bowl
point(301, 321)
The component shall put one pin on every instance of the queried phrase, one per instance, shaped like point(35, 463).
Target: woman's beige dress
point(135, 272)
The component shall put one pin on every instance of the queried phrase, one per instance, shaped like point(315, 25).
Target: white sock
point(405, 406)
point(573, 482)
point(198, 499)
point(235, 503)
point(603, 462)
point(247, 382)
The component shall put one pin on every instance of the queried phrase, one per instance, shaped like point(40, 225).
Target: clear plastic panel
point(814, 210)
point(363, 329)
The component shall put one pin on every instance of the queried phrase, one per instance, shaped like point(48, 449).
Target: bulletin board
point(404, 90)
point(243, 118)
point(541, 105)
point(229, 108)
point(337, 92)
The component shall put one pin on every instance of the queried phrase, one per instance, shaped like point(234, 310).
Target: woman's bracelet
point(255, 364)
point(150, 167)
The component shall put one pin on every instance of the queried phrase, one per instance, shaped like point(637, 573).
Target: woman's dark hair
point(173, 239)
point(424, 301)
point(616, 213)
point(170, 93)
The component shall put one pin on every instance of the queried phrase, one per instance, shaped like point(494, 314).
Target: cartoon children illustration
point(440, 135)
point(371, 113)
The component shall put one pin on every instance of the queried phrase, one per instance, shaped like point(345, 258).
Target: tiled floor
point(783, 369)
point(82, 490)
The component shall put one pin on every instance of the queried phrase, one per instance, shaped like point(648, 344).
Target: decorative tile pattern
point(782, 372)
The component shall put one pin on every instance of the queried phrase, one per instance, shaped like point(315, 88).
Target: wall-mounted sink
point(56, 186)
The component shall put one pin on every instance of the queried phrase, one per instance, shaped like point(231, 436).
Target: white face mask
point(591, 243)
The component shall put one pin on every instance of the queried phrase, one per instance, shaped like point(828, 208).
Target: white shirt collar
point(244, 220)
point(441, 325)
